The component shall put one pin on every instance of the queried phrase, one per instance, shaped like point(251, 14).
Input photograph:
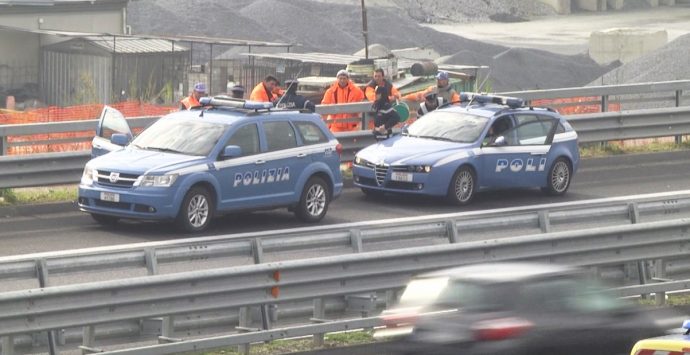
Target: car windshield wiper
point(162, 149)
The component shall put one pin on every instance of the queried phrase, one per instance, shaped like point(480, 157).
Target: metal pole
point(364, 31)
point(604, 103)
point(679, 93)
point(210, 72)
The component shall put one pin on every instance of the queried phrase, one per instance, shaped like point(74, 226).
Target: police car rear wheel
point(559, 177)
point(104, 220)
point(462, 186)
point(196, 210)
point(314, 201)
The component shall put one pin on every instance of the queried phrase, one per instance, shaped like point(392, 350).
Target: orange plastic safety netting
point(61, 142)
point(575, 105)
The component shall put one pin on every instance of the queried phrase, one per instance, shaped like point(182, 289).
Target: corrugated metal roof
point(135, 45)
point(323, 58)
point(53, 2)
point(195, 39)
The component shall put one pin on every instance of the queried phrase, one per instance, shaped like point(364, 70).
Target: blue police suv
point(232, 155)
point(488, 142)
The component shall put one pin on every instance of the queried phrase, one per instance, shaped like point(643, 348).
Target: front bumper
point(380, 178)
point(136, 203)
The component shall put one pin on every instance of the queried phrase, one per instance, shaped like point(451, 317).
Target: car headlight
point(156, 180)
point(358, 160)
point(89, 176)
point(420, 168)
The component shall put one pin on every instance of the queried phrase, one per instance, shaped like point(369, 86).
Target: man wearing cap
point(237, 92)
point(192, 101)
point(343, 90)
point(266, 91)
point(291, 100)
point(443, 89)
point(431, 102)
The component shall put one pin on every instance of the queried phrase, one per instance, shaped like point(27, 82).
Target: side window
point(247, 138)
point(531, 130)
point(279, 135)
point(113, 122)
point(560, 128)
point(310, 133)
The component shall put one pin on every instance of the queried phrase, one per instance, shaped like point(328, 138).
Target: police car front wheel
point(463, 186)
point(196, 210)
point(313, 203)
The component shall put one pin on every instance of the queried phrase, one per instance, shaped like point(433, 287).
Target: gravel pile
point(336, 28)
point(461, 11)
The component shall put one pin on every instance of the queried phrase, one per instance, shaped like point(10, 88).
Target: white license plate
point(110, 197)
point(398, 176)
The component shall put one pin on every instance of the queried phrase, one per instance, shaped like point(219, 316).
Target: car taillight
point(339, 149)
point(500, 329)
point(399, 319)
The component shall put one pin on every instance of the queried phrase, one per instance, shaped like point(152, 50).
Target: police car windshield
point(448, 126)
point(180, 136)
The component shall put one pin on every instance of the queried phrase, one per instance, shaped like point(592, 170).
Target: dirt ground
point(569, 34)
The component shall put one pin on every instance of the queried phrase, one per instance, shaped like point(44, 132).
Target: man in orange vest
point(380, 81)
point(192, 101)
point(267, 90)
point(342, 91)
point(442, 89)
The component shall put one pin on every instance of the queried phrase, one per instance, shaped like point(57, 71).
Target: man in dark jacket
point(386, 117)
point(291, 100)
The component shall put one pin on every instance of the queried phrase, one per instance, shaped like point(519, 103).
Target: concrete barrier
point(624, 44)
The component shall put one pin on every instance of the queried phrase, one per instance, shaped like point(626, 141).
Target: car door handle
point(533, 153)
point(259, 162)
point(301, 155)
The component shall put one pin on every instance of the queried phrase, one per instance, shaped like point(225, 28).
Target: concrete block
point(624, 44)
point(652, 3)
point(562, 7)
point(667, 2)
point(591, 5)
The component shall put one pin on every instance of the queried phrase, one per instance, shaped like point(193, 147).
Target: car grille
point(401, 168)
point(367, 181)
point(124, 180)
point(380, 172)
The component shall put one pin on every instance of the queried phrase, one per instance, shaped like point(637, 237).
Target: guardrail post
point(7, 345)
point(89, 341)
point(452, 229)
point(604, 103)
point(245, 321)
point(319, 317)
point(258, 254)
point(634, 215)
point(3, 145)
point(544, 222)
point(356, 240)
point(679, 94)
point(151, 261)
point(167, 323)
point(42, 273)
point(660, 273)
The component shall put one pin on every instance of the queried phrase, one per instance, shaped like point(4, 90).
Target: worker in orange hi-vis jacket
point(342, 91)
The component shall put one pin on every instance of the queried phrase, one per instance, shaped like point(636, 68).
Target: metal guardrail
point(354, 237)
point(86, 304)
point(591, 128)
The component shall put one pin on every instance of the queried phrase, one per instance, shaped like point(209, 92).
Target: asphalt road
point(63, 227)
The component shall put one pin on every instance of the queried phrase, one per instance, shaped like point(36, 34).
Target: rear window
point(310, 133)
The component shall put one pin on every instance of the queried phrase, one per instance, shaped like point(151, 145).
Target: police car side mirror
point(403, 130)
point(232, 151)
point(119, 139)
point(500, 141)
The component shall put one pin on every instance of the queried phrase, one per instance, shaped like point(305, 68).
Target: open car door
point(111, 122)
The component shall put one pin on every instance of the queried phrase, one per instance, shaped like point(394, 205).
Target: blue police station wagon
point(490, 142)
point(233, 155)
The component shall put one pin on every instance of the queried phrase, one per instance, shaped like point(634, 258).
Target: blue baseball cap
point(442, 75)
point(200, 87)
